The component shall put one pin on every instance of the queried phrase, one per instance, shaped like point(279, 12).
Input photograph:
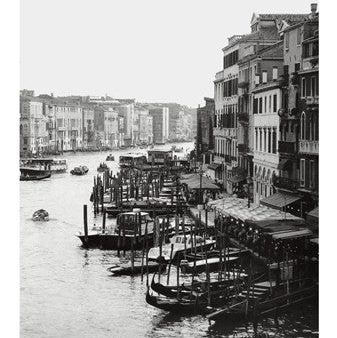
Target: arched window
point(303, 126)
point(264, 173)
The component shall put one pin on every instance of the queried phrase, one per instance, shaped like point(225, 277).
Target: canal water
point(66, 290)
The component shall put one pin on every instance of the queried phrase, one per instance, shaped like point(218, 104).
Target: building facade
point(160, 123)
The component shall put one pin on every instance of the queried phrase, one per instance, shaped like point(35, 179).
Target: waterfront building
point(233, 141)
point(33, 126)
point(145, 127)
point(127, 110)
point(88, 127)
point(267, 100)
point(160, 118)
point(297, 181)
point(204, 140)
point(68, 126)
point(107, 127)
point(226, 100)
point(309, 115)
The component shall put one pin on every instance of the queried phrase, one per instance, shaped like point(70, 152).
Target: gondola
point(183, 305)
point(127, 270)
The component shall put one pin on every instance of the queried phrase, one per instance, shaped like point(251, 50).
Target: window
point(260, 105)
point(275, 103)
point(302, 172)
point(269, 103)
point(312, 173)
point(256, 139)
point(265, 104)
point(274, 140)
point(269, 141)
point(298, 36)
point(303, 87)
point(275, 73)
point(313, 86)
point(264, 76)
point(25, 140)
point(257, 79)
point(297, 66)
point(286, 38)
point(303, 126)
point(260, 145)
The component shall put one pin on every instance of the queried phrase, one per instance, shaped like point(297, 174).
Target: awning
point(293, 234)
point(312, 218)
point(280, 200)
point(193, 182)
point(313, 213)
point(284, 164)
point(214, 166)
point(236, 179)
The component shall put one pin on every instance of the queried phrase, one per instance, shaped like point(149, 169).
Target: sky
point(150, 50)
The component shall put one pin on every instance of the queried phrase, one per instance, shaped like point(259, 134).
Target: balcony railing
point(309, 147)
point(285, 183)
point(287, 147)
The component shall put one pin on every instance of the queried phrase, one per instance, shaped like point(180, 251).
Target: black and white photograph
point(167, 169)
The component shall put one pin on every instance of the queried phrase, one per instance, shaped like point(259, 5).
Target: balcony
point(285, 183)
point(225, 132)
point(311, 100)
point(309, 147)
point(219, 75)
point(287, 147)
point(242, 148)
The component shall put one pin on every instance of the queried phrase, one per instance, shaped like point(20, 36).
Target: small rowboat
point(40, 215)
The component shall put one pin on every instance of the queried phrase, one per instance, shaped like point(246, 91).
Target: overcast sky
point(151, 50)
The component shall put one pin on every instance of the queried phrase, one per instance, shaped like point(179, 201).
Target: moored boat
point(181, 244)
point(79, 171)
point(55, 166)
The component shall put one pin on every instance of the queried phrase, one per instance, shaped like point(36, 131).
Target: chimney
point(313, 8)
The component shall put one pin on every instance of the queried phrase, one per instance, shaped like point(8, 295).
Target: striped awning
point(280, 200)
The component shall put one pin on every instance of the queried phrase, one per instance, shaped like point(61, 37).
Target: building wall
point(266, 138)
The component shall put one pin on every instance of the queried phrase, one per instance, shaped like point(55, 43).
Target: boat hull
point(115, 242)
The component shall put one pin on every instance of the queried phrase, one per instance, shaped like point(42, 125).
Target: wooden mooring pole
point(85, 222)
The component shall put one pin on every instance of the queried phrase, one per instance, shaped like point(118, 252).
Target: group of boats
point(218, 269)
